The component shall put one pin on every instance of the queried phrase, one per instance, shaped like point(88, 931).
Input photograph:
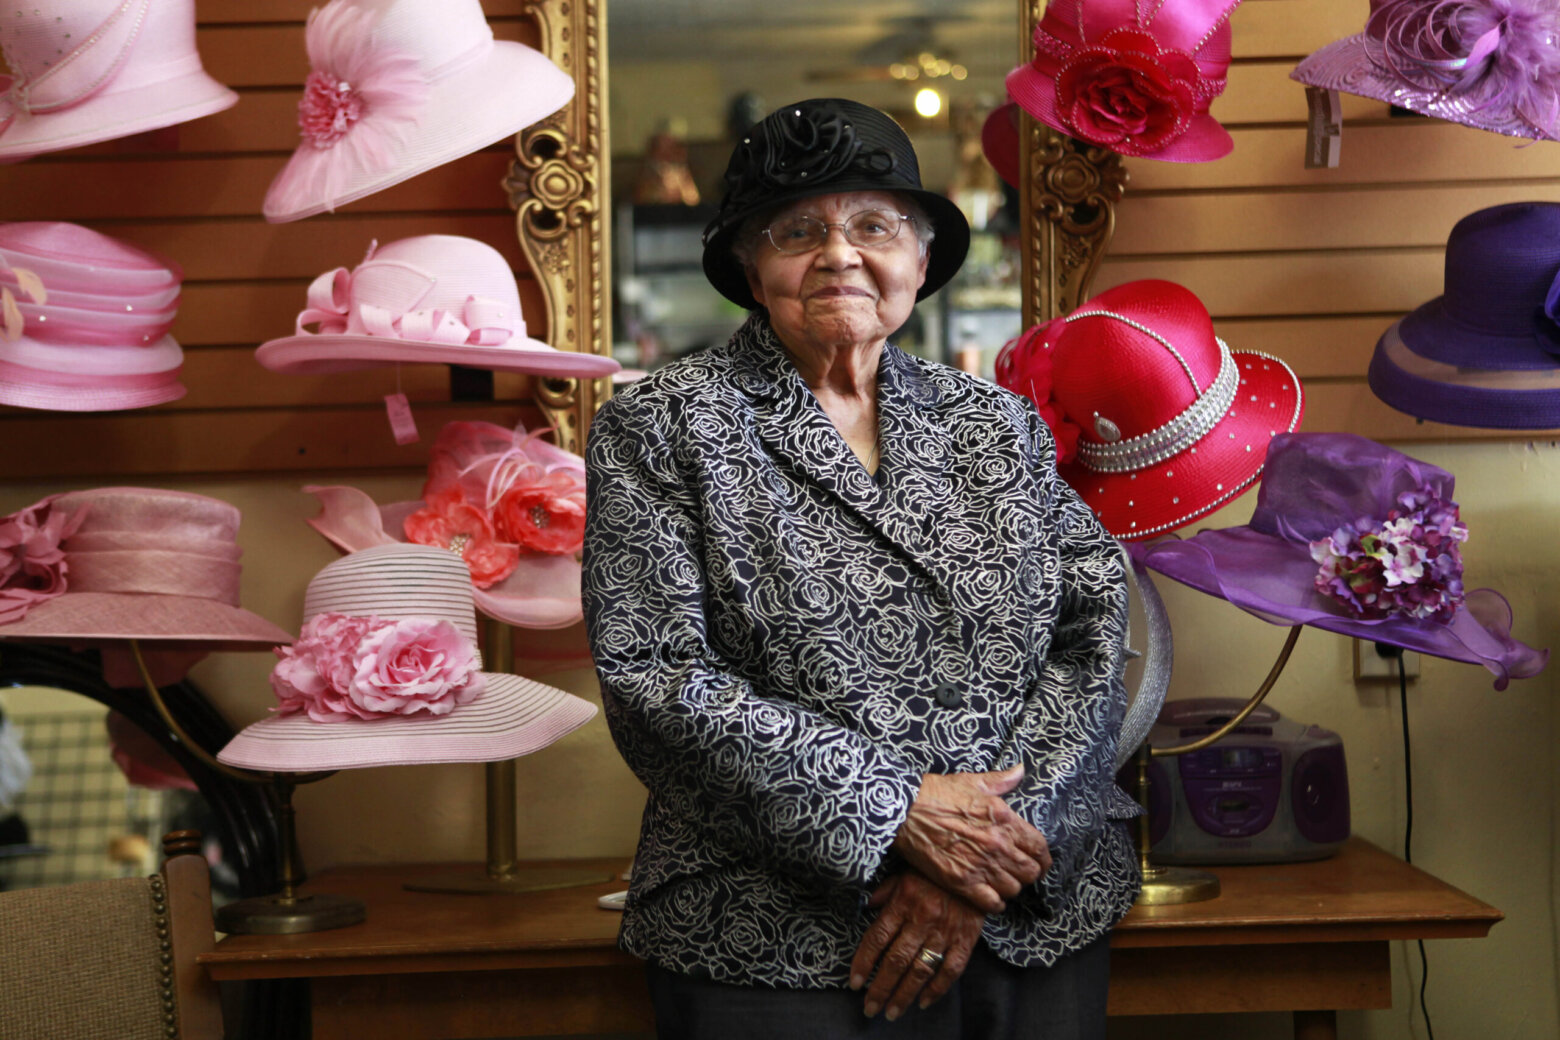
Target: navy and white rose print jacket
point(785, 645)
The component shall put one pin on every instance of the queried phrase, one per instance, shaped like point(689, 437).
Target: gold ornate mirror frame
point(558, 187)
point(1069, 192)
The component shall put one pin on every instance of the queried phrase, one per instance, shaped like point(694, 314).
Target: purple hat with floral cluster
point(1355, 538)
point(1490, 64)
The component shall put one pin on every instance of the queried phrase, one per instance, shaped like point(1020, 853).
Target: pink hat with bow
point(509, 504)
point(1134, 76)
point(93, 70)
point(386, 672)
point(398, 87)
point(84, 321)
point(436, 299)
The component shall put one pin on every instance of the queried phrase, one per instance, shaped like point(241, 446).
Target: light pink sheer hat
point(433, 299)
point(399, 87)
point(84, 71)
point(386, 672)
point(84, 321)
point(127, 563)
point(509, 504)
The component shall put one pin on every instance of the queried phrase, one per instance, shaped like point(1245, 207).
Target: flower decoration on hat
point(32, 563)
point(27, 283)
point(344, 667)
point(1407, 564)
point(361, 98)
point(1024, 366)
point(1127, 94)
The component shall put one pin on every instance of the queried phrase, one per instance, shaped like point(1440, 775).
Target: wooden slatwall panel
point(193, 193)
point(1312, 265)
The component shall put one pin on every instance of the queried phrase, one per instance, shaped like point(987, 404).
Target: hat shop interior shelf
point(1069, 191)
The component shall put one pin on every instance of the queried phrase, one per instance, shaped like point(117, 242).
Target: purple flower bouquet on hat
point(1355, 538)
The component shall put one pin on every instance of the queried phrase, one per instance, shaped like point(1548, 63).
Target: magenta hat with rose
point(1134, 78)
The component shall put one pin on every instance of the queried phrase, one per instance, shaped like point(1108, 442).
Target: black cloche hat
point(820, 147)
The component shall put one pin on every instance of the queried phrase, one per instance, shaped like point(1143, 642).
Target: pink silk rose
point(547, 517)
point(1126, 94)
point(345, 667)
point(448, 521)
point(33, 567)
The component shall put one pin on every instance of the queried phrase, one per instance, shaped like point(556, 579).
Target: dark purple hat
point(1487, 351)
point(1355, 538)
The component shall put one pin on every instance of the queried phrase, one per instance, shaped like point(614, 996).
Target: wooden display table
point(1311, 938)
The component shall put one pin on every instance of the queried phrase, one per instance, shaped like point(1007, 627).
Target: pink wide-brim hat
point(399, 87)
point(1492, 66)
point(511, 717)
point(1186, 44)
point(430, 299)
point(89, 378)
point(147, 564)
point(999, 141)
point(96, 70)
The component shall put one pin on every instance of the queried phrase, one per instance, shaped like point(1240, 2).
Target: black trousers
point(992, 1000)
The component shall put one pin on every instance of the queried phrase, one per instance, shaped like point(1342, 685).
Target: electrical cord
point(1396, 654)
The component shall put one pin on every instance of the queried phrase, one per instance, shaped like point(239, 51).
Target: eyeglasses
point(865, 230)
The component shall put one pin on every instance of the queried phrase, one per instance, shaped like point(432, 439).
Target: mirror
point(687, 75)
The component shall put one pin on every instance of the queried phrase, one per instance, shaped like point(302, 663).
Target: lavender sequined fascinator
point(1489, 64)
point(1355, 538)
point(820, 147)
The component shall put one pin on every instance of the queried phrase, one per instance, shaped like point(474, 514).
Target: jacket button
point(948, 695)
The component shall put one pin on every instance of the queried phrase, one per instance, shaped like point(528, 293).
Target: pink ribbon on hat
point(332, 306)
point(84, 70)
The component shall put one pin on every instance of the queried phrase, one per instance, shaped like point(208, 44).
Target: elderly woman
point(860, 643)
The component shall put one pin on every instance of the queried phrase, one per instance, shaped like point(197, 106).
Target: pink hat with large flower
point(399, 87)
point(1131, 77)
point(85, 71)
point(386, 672)
point(432, 299)
point(84, 321)
point(509, 504)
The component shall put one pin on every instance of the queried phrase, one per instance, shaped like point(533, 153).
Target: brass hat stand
point(285, 912)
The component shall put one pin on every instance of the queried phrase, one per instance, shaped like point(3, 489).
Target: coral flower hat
point(430, 299)
point(386, 672)
point(1135, 78)
point(85, 71)
point(398, 87)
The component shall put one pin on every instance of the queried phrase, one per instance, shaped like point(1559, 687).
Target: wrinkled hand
point(915, 915)
point(966, 839)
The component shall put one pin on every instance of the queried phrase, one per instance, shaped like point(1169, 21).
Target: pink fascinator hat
point(1355, 538)
point(386, 672)
point(1489, 64)
point(1131, 77)
point(127, 563)
point(506, 502)
point(84, 321)
point(398, 87)
point(434, 299)
point(85, 71)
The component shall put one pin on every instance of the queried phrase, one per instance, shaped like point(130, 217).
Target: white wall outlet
point(1370, 666)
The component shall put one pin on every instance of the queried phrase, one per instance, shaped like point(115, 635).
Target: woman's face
point(839, 295)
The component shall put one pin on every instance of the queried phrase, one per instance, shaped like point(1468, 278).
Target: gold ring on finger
point(931, 958)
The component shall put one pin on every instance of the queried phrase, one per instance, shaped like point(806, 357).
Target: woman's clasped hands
point(969, 853)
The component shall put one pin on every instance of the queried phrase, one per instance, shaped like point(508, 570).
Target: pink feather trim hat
point(431, 299)
point(85, 71)
point(398, 87)
point(1489, 64)
point(84, 321)
point(506, 502)
point(1137, 83)
point(386, 672)
point(127, 563)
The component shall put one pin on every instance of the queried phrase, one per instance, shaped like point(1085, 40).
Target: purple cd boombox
point(1270, 791)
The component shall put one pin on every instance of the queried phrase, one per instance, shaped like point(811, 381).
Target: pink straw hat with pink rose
point(386, 672)
point(431, 299)
point(1132, 77)
point(509, 504)
point(85, 71)
point(84, 321)
point(398, 87)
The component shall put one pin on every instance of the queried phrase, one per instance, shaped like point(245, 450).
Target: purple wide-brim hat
point(1314, 484)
